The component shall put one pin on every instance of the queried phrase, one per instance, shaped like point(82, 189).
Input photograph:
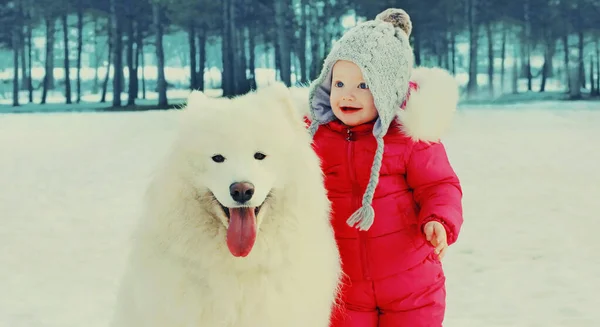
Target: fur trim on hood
point(429, 110)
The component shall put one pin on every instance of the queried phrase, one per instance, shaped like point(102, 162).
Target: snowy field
point(527, 255)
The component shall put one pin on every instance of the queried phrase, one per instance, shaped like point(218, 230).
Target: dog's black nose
point(241, 192)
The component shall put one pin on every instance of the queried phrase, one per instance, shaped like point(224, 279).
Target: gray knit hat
point(380, 48)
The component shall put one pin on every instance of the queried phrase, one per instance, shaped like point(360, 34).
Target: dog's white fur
point(429, 110)
point(180, 270)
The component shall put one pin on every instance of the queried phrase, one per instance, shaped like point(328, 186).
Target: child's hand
point(435, 233)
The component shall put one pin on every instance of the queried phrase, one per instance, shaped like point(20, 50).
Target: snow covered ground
point(527, 255)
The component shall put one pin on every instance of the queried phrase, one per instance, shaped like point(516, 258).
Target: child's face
point(350, 98)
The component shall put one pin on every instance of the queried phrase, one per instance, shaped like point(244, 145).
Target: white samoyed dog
point(236, 229)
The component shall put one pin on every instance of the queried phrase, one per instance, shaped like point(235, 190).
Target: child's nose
point(348, 97)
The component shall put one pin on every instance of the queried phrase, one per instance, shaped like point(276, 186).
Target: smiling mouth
point(349, 109)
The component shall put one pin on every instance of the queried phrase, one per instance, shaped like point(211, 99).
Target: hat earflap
point(314, 125)
point(364, 217)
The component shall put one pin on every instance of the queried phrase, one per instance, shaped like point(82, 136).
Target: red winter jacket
point(416, 185)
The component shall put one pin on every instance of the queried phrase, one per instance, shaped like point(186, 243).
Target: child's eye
point(363, 85)
point(339, 84)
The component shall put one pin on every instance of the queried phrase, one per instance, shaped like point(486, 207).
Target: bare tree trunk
point(108, 60)
point(133, 77)
point(106, 79)
point(592, 82)
point(252, 60)
point(283, 42)
point(228, 50)
point(138, 56)
point(565, 40)
point(202, 58)
point(304, 12)
point(328, 14)
point(453, 50)
point(439, 45)
point(545, 68)
point(241, 68)
point(417, 47)
point(79, 46)
point(276, 54)
point(441, 49)
point(575, 75)
point(236, 27)
point(515, 68)
point(19, 46)
point(581, 59)
point(192, 45)
point(445, 51)
point(548, 56)
point(597, 65)
point(527, 42)
point(161, 82)
point(315, 42)
point(49, 65)
point(23, 54)
point(131, 85)
point(116, 12)
point(143, 65)
point(490, 39)
point(16, 38)
point(96, 57)
point(50, 39)
point(528, 68)
point(473, 37)
point(237, 51)
point(30, 61)
point(503, 61)
point(575, 60)
point(66, 59)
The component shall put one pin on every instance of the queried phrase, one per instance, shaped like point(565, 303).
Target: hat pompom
point(398, 18)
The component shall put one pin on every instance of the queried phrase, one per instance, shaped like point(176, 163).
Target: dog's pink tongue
point(241, 233)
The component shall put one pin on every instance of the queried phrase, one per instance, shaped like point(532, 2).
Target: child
point(396, 201)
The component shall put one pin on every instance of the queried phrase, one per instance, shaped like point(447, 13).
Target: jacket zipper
point(356, 200)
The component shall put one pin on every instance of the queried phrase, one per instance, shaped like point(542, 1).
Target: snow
point(72, 185)
point(527, 255)
point(55, 101)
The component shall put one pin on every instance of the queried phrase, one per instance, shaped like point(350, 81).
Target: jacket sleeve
point(436, 188)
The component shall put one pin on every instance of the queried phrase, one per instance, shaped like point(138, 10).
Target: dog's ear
point(299, 96)
point(294, 100)
point(196, 106)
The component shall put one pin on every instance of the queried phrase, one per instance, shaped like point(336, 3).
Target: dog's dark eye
point(259, 156)
point(218, 158)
